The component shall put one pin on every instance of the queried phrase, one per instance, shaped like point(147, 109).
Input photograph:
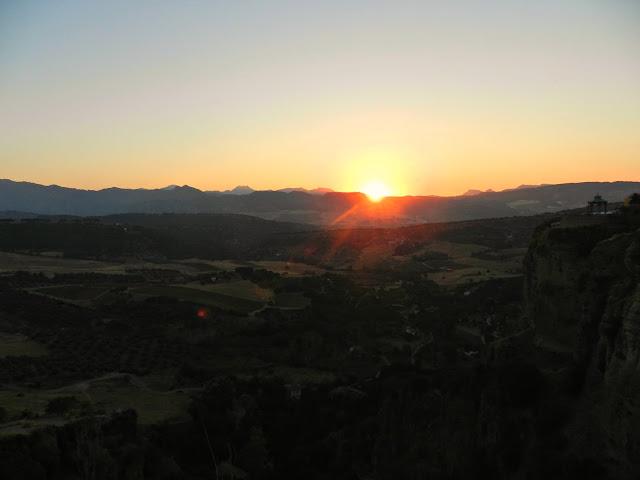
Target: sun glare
point(376, 190)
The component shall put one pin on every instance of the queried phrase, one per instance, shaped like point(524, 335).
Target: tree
point(632, 200)
point(62, 405)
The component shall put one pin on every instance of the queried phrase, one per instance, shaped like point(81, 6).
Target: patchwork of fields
point(225, 286)
point(446, 263)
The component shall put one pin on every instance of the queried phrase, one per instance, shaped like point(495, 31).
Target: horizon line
point(468, 192)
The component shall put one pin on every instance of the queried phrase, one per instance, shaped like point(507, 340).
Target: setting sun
point(376, 190)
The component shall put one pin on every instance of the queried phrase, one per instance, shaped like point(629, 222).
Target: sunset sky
point(429, 97)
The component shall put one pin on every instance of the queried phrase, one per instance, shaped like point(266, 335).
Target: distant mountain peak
point(240, 190)
point(172, 187)
point(182, 189)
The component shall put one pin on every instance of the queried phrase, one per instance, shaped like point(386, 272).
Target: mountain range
point(320, 206)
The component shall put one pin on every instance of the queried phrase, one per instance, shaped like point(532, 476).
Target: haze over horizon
point(427, 97)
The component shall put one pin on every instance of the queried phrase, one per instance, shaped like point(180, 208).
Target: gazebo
point(597, 206)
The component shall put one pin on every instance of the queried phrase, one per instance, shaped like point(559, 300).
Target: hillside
point(224, 236)
point(215, 236)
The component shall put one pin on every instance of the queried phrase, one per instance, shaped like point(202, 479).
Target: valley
point(167, 325)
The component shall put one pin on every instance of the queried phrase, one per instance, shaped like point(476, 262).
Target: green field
point(17, 345)
point(200, 297)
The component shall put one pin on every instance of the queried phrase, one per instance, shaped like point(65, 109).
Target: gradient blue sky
point(431, 97)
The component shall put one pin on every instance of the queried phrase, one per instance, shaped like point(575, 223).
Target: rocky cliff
point(582, 286)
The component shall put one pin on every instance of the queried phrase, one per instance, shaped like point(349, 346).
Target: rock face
point(582, 287)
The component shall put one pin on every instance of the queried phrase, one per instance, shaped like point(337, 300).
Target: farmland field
point(474, 263)
point(294, 269)
point(12, 262)
point(240, 289)
point(18, 345)
point(73, 292)
point(41, 263)
point(201, 297)
point(289, 268)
